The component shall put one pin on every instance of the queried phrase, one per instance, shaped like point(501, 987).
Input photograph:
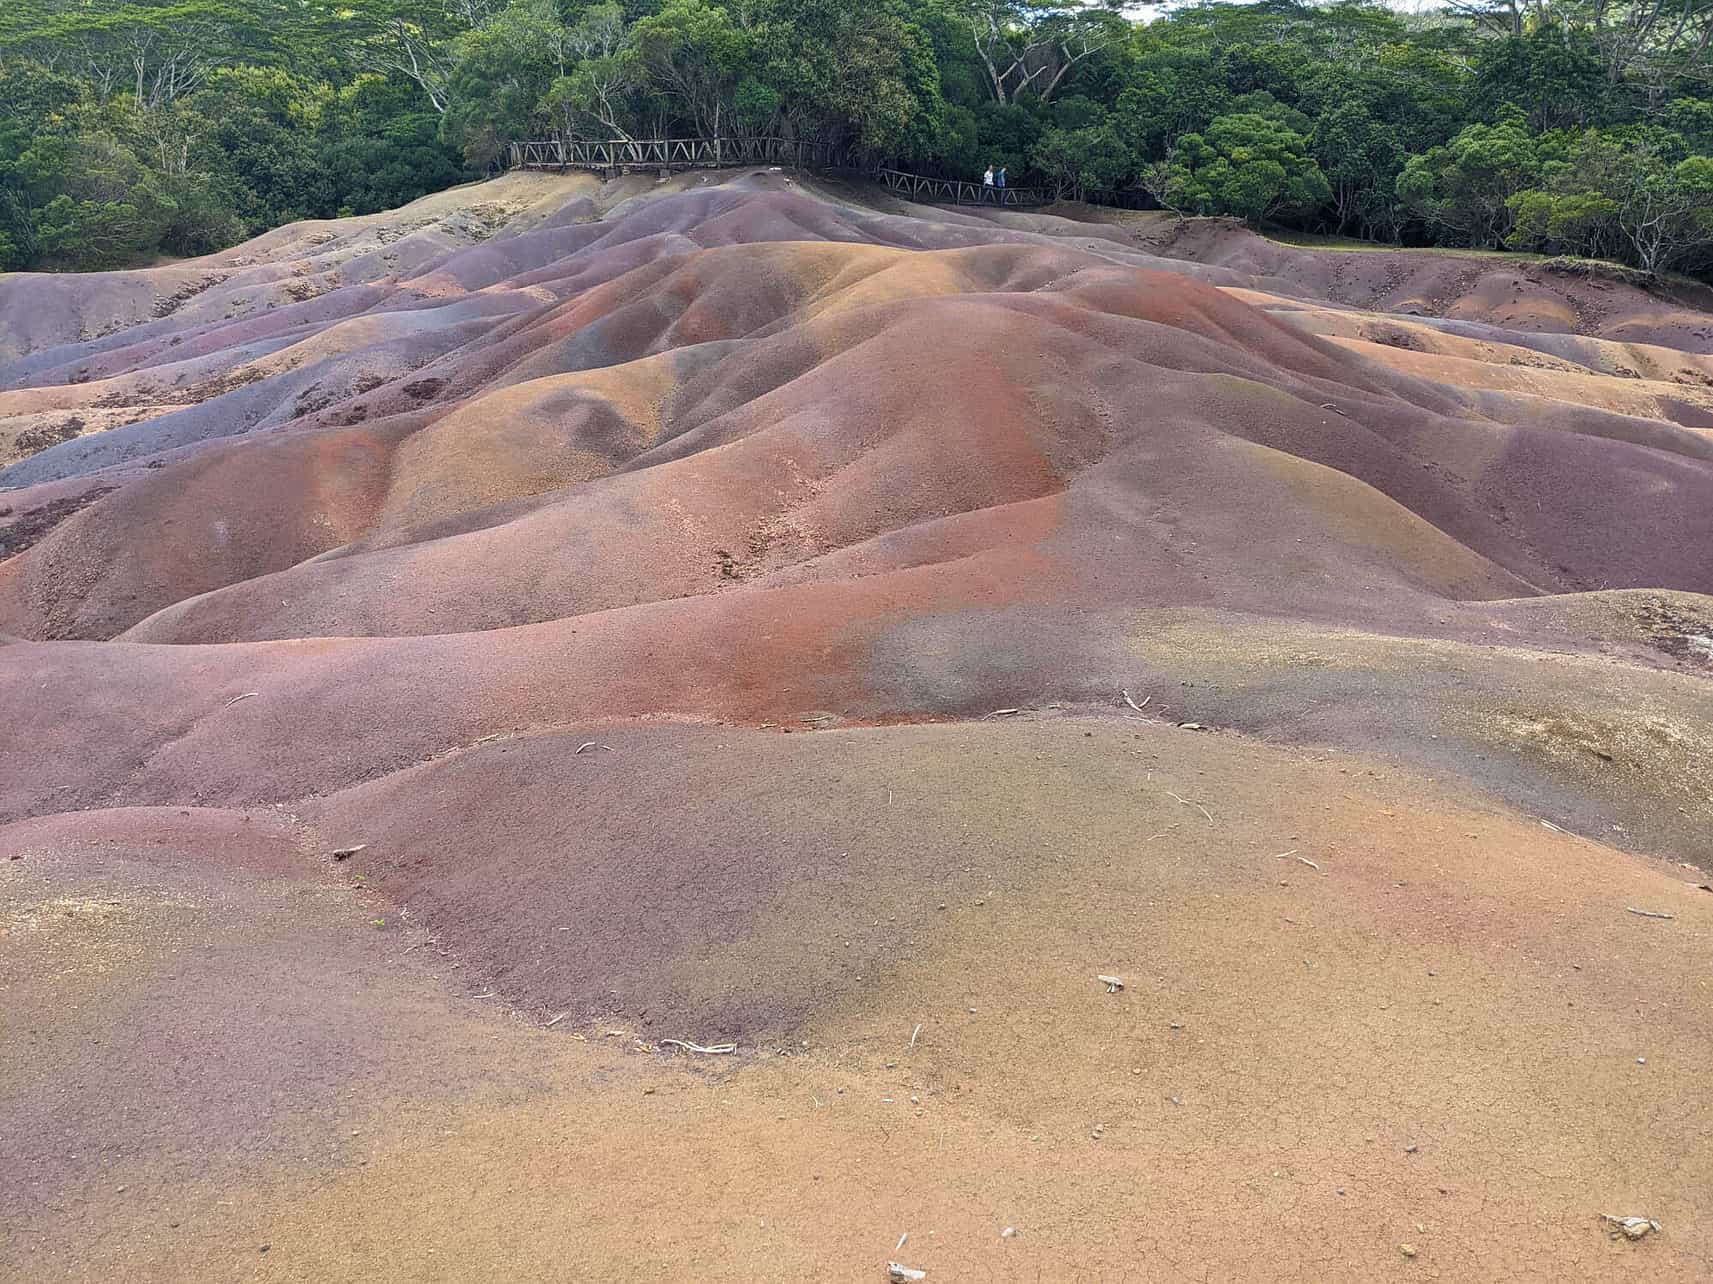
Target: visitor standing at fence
point(999, 179)
point(987, 178)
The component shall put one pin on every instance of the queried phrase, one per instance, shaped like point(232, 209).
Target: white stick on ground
point(1186, 802)
point(897, 1272)
point(1648, 913)
point(1133, 704)
point(712, 1049)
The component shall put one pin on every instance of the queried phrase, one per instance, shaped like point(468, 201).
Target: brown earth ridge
point(745, 609)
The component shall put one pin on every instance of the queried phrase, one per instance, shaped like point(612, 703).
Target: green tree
point(863, 76)
point(599, 93)
point(1030, 46)
point(1078, 161)
point(136, 127)
point(1006, 136)
point(1633, 192)
point(32, 97)
point(1561, 222)
point(380, 146)
point(1168, 97)
point(1361, 158)
point(1552, 74)
point(96, 204)
point(254, 132)
point(499, 77)
point(1249, 165)
point(414, 40)
point(693, 56)
point(1463, 190)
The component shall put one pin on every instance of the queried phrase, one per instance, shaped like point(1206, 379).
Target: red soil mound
point(1514, 291)
point(725, 446)
point(719, 416)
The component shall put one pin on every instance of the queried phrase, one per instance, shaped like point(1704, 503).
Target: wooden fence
point(671, 153)
point(953, 191)
point(614, 155)
point(619, 154)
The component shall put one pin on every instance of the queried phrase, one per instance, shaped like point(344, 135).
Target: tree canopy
point(136, 128)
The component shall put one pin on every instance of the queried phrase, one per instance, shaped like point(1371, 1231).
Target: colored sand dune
point(746, 610)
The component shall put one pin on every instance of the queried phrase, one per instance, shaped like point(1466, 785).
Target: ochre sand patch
point(1455, 979)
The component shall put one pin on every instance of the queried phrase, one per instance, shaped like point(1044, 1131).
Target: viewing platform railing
point(615, 155)
point(671, 153)
point(954, 191)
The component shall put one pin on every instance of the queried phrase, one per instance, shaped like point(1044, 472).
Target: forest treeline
point(135, 128)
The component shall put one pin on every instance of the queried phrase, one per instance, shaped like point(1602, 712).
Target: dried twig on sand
point(913, 1034)
point(1648, 913)
point(1629, 1227)
point(590, 744)
point(556, 1020)
point(1002, 713)
point(1304, 860)
point(896, 1272)
point(713, 1049)
point(346, 853)
point(234, 700)
point(1133, 704)
point(1186, 802)
point(1113, 984)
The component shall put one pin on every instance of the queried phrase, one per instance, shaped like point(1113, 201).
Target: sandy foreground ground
point(1441, 1051)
